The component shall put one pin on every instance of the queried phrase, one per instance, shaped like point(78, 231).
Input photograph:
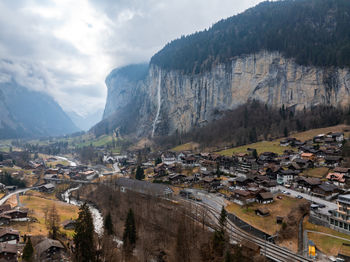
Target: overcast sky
point(67, 47)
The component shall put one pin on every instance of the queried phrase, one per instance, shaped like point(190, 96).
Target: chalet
point(50, 176)
point(69, 224)
point(177, 177)
point(308, 183)
point(160, 170)
point(208, 164)
point(8, 252)
point(272, 171)
point(269, 185)
point(52, 171)
point(304, 163)
point(243, 182)
point(168, 158)
point(325, 190)
point(8, 235)
point(190, 160)
point(264, 198)
point(308, 156)
point(49, 250)
point(338, 136)
point(333, 161)
point(267, 157)
point(17, 213)
point(286, 176)
point(338, 179)
point(242, 197)
point(319, 138)
point(47, 188)
point(342, 170)
point(287, 141)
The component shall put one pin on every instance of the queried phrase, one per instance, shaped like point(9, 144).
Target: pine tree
point(28, 251)
point(158, 161)
point(129, 235)
point(219, 238)
point(84, 236)
point(139, 173)
point(108, 224)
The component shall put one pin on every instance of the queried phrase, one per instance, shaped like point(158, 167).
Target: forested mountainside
point(27, 113)
point(313, 32)
point(291, 54)
point(253, 122)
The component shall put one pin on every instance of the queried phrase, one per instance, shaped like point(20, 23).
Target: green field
point(273, 146)
point(264, 146)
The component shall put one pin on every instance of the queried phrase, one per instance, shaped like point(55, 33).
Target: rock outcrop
point(189, 100)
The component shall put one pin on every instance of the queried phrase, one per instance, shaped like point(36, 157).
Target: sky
point(66, 48)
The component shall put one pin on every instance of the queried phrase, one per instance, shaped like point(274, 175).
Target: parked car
point(322, 205)
point(299, 197)
point(279, 197)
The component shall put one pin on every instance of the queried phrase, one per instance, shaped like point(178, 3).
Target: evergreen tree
point(28, 251)
point(285, 131)
point(139, 173)
point(219, 238)
point(129, 235)
point(108, 224)
point(158, 161)
point(84, 236)
point(255, 154)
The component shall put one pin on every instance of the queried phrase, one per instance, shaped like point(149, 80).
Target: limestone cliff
point(170, 101)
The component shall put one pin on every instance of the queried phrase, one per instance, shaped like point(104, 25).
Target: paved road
point(329, 205)
point(3, 200)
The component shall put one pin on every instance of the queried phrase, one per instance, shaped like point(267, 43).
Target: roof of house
point(341, 170)
point(266, 195)
point(241, 192)
point(327, 187)
point(6, 230)
point(8, 248)
point(46, 244)
point(336, 177)
point(67, 222)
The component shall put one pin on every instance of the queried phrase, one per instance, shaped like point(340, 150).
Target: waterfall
point(159, 103)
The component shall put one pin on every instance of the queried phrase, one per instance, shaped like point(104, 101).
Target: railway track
point(268, 249)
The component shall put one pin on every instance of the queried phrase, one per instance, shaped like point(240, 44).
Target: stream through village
point(96, 214)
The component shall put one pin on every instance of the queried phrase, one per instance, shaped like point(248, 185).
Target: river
point(96, 214)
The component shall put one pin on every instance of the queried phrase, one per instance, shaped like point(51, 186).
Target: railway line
point(268, 249)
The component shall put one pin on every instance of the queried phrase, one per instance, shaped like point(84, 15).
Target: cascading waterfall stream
point(159, 103)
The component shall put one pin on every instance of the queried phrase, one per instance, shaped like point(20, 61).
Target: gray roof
point(46, 244)
point(8, 248)
point(144, 187)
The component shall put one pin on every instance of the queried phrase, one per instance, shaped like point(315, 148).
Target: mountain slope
point(292, 54)
point(313, 32)
point(30, 113)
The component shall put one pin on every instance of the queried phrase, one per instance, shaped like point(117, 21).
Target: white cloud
point(72, 45)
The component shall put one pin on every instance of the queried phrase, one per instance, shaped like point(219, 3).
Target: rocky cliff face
point(171, 101)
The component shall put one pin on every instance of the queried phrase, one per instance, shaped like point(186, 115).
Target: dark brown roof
point(241, 192)
point(8, 248)
point(6, 230)
point(266, 195)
